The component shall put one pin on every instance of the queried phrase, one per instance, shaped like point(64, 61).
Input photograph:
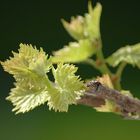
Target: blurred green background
point(38, 23)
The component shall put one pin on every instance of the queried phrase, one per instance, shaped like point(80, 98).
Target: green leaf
point(92, 21)
point(33, 87)
point(87, 26)
point(84, 29)
point(68, 87)
point(28, 60)
point(75, 28)
point(29, 68)
point(74, 52)
point(129, 54)
point(28, 94)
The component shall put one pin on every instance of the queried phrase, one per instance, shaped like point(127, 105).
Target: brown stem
point(97, 94)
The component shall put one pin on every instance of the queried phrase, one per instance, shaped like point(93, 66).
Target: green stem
point(116, 83)
point(120, 69)
point(45, 78)
point(118, 75)
point(91, 62)
point(100, 57)
point(48, 83)
point(100, 64)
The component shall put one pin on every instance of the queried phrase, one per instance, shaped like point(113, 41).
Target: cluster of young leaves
point(86, 31)
point(30, 68)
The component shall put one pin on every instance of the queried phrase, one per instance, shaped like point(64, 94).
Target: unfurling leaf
point(84, 29)
point(87, 26)
point(129, 54)
point(75, 28)
point(28, 60)
point(68, 88)
point(92, 21)
point(74, 52)
point(33, 87)
point(28, 94)
point(29, 68)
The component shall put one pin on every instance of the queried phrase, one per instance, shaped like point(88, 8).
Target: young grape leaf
point(74, 52)
point(92, 21)
point(29, 60)
point(28, 94)
point(33, 88)
point(29, 68)
point(75, 28)
point(129, 54)
point(87, 26)
point(68, 87)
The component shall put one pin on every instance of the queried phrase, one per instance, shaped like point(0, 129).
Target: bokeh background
point(38, 23)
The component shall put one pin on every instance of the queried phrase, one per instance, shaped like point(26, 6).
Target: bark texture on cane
point(97, 94)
